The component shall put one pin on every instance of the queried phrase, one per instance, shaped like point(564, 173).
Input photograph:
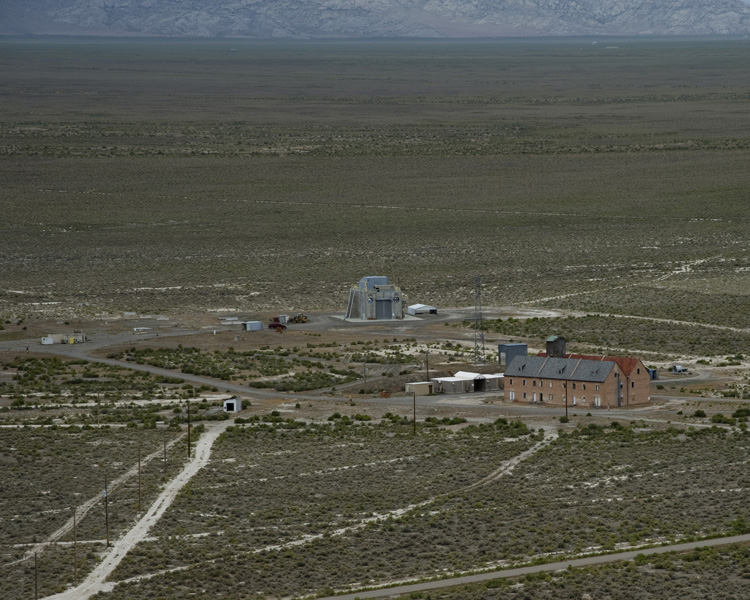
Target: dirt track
point(97, 579)
point(401, 590)
point(84, 508)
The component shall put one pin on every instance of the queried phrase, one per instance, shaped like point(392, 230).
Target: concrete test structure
point(373, 298)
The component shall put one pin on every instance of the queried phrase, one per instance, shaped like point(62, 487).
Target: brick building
point(578, 380)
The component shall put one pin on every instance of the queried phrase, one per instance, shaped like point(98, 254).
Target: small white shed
point(465, 381)
point(233, 404)
point(252, 325)
point(421, 309)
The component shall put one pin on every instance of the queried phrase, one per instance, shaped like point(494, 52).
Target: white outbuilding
point(421, 309)
point(233, 404)
point(465, 382)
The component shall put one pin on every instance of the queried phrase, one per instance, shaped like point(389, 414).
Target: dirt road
point(402, 590)
point(83, 509)
point(97, 579)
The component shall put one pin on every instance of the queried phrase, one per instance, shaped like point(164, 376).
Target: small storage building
point(421, 309)
point(555, 346)
point(420, 388)
point(252, 325)
point(232, 404)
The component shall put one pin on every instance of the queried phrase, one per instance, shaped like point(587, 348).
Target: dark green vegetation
point(276, 481)
point(81, 392)
point(49, 472)
point(237, 366)
point(77, 380)
point(291, 368)
point(277, 175)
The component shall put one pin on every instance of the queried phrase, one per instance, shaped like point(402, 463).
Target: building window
point(524, 382)
point(597, 386)
point(632, 384)
point(511, 382)
point(533, 382)
point(583, 386)
point(550, 384)
point(574, 385)
point(639, 371)
point(550, 398)
point(583, 400)
point(524, 395)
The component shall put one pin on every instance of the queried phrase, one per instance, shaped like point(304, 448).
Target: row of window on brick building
point(541, 384)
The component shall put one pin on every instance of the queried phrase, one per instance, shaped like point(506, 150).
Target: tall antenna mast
point(479, 350)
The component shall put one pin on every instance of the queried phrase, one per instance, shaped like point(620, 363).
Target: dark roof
point(626, 363)
point(595, 371)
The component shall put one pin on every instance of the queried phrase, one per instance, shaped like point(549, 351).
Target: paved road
point(546, 568)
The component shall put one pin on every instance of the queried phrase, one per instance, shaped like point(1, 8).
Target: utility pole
point(414, 419)
point(139, 478)
point(75, 547)
point(479, 349)
point(106, 509)
point(188, 417)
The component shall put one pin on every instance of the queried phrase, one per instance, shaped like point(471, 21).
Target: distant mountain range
point(302, 19)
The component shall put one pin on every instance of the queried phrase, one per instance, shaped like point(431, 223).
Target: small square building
point(233, 404)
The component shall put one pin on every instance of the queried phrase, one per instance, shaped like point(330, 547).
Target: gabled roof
point(466, 375)
point(544, 367)
point(626, 363)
